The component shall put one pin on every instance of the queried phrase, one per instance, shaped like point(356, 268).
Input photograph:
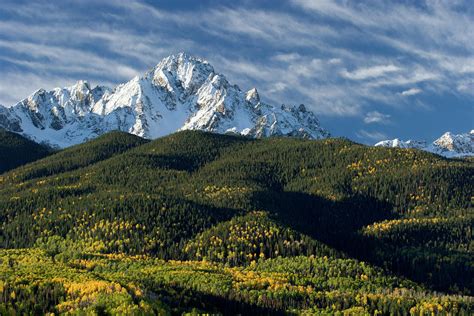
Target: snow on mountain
point(448, 145)
point(181, 92)
point(452, 145)
point(402, 144)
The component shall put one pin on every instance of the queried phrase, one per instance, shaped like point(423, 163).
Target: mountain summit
point(448, 145)
point(182, 92)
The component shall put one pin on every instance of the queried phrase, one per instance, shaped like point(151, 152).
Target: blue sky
point(371, 70)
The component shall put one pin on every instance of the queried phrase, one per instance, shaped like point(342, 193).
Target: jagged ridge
point(180, 93)
point(448, 145)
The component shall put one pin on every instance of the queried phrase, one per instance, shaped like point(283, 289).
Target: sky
point(370, 70)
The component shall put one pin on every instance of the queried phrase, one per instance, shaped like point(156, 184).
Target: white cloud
point(411, 76)
point(441, 23)
point(335, 61)
point(376, 117)
point(71, 60)
point(308, 69)
point(438, 35)
point(275, 28)
point(333, 9)
point(411, 91)
point(287, 57)
point(369, 72)
point(466, 86)
point(277, 87)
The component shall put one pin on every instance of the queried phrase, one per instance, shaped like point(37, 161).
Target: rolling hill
point(202, 222)
point(16, 150)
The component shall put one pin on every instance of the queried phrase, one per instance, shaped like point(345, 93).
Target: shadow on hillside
point(335, 223)
point(231, 303)
point(338, 224)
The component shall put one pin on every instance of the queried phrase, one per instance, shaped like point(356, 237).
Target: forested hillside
point(16, 150)
point(231, 224)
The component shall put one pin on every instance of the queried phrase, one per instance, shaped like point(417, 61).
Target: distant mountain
point(16, 150)
point(448, 145)
point(181, 93)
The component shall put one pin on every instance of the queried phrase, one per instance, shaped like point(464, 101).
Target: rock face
point(181, 92)
point(448, 145)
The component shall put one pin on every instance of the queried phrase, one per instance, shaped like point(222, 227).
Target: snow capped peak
point(448, 145)
point(394, 143)
point(80, 85)
point(446, 140)
point(183, 60)
point(460, 144)
point(35, 99)
point(389, 143)
point(182, 70)
point(180, 92)
point(252, 96)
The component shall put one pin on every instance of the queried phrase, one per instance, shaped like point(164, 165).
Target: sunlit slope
point(34, 283)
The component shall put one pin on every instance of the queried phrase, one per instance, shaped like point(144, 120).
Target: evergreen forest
point(201, 223)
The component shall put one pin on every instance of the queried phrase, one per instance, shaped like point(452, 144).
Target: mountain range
point(448, 145)
point(182, 92)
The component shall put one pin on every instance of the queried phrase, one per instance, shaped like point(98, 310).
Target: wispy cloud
point(434, 35)
point(411, 91)
point(288, 57)
point(376, 117)
point(369, 72)
point(70, 60)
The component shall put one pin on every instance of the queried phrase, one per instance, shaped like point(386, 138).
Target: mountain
point(448, 145)
point(181, 93)
point(452, 145)
point(397, 143)
point(16, 150)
